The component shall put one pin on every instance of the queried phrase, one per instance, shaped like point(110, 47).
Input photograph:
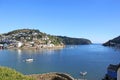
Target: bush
point(10, 74)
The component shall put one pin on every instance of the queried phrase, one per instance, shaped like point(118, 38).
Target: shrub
point(10, 74)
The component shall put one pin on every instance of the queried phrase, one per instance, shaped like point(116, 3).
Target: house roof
point(113, 67)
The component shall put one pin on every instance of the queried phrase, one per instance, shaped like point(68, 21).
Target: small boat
point(83, 73)
point(29, 60)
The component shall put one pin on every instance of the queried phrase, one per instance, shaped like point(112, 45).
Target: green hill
point(29, 35)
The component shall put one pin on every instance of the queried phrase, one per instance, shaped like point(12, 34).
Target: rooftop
point(113, 67)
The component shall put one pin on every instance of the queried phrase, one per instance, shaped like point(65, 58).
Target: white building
point(19, 44)
point(50, 45)
point(1, 46)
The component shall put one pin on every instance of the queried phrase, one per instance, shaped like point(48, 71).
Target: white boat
point(29, 60)
point(83, 73)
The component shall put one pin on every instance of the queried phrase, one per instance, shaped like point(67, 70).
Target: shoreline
point(35, 48)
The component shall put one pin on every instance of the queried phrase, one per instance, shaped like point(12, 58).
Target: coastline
point(36, 48)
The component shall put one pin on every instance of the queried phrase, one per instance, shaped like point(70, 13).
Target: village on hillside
point(28, 39)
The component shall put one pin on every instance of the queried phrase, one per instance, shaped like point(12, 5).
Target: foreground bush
point(10, 74)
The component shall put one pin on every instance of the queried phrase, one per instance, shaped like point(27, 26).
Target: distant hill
point(74, 41)
point(114, 42)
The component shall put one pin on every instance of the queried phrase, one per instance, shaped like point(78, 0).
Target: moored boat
point(29, 60)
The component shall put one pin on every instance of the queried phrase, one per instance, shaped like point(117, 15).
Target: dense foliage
point(10, 74)
point(74, 41)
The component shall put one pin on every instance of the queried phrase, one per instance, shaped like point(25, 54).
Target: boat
point(83, 73)
point(29, 60)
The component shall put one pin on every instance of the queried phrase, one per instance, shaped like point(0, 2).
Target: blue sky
point(97, 20)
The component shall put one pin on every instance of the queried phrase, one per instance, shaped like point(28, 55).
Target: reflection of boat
point(83, 73)
point(29, 60)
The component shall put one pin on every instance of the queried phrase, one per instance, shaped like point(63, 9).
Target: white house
point(1, 46)
point(19, 44)
point(50, 45)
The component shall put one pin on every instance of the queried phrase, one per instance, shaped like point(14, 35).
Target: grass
point(10, 74)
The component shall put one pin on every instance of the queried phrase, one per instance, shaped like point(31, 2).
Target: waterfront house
point(50, 45)
point(1, 46)
point(19, 44)
point(32, 44)
point(113, 72)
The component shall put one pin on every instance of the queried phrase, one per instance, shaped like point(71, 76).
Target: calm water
point(72, 59)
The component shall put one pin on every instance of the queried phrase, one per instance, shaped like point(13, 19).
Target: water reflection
point(19, 51)
point(19, 55)
point(22, 55)
point(42, 51)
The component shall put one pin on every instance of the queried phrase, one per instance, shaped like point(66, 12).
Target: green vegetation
point(55, 40)
point(29, 31)
point(74, 41)
point(10, 74)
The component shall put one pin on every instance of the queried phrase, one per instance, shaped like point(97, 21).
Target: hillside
point(29, 38)
point(74, 41)
point(114, 42)
point(32, 38)
point(32, 35)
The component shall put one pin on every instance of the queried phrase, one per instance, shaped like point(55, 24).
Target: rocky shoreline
point(52, 76)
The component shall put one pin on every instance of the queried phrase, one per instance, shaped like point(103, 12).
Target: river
point(94, 59)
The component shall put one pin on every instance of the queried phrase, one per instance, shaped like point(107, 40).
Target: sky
point(96, 20)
